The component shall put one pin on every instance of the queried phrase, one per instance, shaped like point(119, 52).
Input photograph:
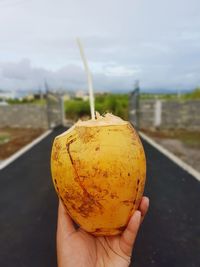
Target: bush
point(113, 103)
point(194, 95)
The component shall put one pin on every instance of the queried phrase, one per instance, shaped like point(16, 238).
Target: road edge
point(171, 156)
point(23, 150)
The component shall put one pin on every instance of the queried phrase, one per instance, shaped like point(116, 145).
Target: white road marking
point(23, 150)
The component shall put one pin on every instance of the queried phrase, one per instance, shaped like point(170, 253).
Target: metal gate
point(134, 107)
point(55, 109)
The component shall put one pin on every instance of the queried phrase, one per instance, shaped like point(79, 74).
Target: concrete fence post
point(158, 113)
point(63, 110)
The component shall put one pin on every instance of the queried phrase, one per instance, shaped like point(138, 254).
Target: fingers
point(128, 237)
point(65, 229)
point(65, 224)
point(143, 208)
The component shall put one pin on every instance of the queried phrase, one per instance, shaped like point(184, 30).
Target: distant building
point(7, 94)
point(37, 96)
point(99, 93)
point(82, 94)
point(29, 97)
point(3, 103)
point(85, 97)
point(66, 96)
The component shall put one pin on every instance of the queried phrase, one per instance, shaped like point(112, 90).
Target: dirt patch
point(12, 139)
point(184, 144)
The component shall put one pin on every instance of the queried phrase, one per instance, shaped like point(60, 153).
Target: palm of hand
point(93, 251)
point(78, 248)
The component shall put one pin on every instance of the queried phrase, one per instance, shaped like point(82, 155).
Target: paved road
point(170, 235)
point(28, 210)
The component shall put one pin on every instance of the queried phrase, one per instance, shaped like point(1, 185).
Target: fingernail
point(138, 213)
point(147, 199)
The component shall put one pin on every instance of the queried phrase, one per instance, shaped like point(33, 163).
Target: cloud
point(19, 71)
point(23, 75)
point(154, 41)
point(121, 71)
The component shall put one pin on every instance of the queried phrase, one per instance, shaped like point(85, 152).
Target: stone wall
point(32, 116)
point(181, 114)
point(169, 114)
point(146, 114)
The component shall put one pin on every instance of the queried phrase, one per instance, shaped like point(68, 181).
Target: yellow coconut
point(99, 170)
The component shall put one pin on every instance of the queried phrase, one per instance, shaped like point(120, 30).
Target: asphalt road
point(28, 210)
point(170, 234)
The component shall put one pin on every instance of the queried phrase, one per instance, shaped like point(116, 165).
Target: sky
point(155, 42)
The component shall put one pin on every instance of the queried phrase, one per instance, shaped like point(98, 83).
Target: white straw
point(89, 79)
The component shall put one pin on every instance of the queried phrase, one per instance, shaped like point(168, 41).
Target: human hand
point(77, 248)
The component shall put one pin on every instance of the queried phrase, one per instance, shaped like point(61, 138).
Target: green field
point(114, 103)
point(194, 95)
point(4, 138)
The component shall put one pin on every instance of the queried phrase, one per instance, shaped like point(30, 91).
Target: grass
point(4, 138)
point(146, 96)
point(189, 138)
point(194, 95)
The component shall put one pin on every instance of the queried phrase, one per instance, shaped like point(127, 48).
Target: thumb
point(128, 237)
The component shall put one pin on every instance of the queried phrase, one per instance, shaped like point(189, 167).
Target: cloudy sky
point(157, 42)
